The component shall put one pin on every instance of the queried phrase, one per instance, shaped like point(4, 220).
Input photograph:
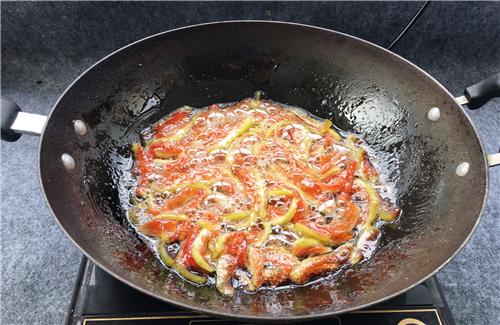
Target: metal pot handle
point(15, 122)
point(493, 159)
point(480, 93)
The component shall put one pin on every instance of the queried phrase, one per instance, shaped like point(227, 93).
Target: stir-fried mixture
point(255, 193)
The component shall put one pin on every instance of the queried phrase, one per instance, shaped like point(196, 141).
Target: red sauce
point(256, 188)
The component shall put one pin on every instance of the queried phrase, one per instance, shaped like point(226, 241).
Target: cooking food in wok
point(85, 167)
point(255, 193)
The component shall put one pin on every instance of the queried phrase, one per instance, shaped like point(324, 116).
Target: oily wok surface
point(362, 88)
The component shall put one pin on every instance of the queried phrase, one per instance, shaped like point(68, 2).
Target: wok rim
point(265, 317)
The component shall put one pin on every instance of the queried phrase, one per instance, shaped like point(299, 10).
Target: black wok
point(423, 137)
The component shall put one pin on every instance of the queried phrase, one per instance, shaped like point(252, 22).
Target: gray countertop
point(46, 45)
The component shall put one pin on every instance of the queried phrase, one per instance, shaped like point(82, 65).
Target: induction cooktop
point(100, 299)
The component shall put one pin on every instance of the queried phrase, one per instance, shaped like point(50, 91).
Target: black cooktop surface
point(100, 299)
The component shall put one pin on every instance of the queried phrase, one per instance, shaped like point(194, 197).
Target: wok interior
point(362, 88)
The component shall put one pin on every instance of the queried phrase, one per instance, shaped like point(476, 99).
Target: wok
point(422, 136)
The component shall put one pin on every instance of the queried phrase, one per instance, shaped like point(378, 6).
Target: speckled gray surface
point(46, 45)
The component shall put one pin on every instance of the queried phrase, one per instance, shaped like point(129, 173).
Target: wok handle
point(15, 122)
point(479, 94)
point(493, 159)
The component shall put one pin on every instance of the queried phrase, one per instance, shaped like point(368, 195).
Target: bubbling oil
point(222, 203)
